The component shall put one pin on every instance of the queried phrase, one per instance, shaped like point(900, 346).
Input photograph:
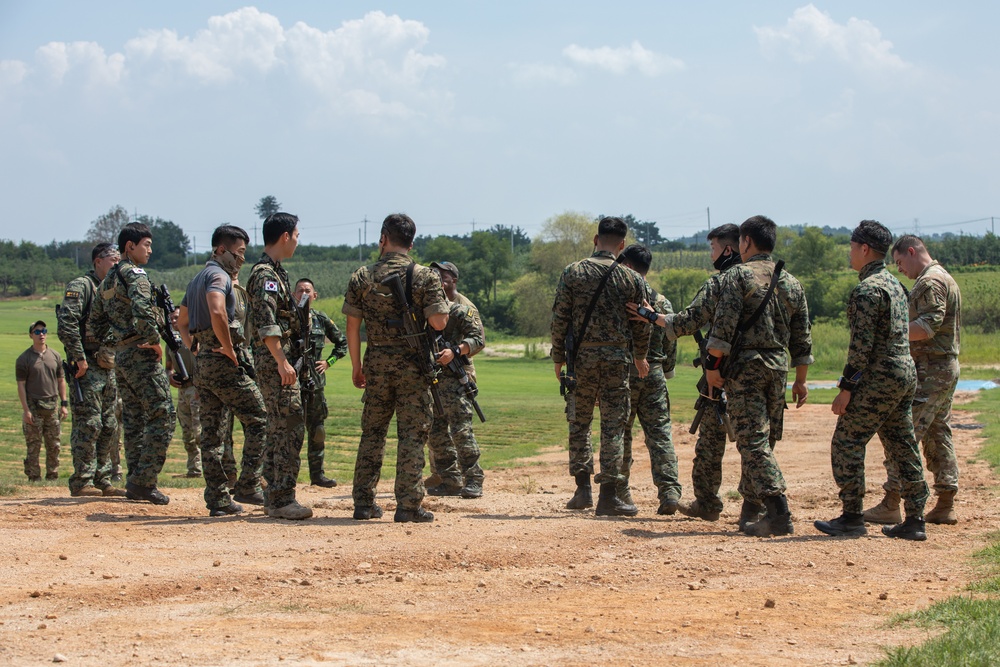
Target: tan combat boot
point(886, 511)
point(944, 510)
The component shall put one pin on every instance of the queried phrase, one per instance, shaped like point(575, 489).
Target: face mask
point(230, 262)
point(726, 260)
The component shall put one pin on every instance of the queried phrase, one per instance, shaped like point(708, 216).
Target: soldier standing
point(94, 436)
point(208, 315)
point(935, 311)
point(650, 399)
point(40, 384)
point(876, 391)
point(124, 314)
point(590, 304)
point(706, 473)
point(277, 346)
point(321, 329)
point(756, 373)
point(452, 443)
point(390, 373)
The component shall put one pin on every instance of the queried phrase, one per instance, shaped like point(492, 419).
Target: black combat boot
point(668, 506)
point(777, 521)
point(749, 513)
point(911, 529)
point(847, 524)
point(366, 512)
point(584, 497)
point(609, 504)
point(322, 480)
point(418, 515)
point(699, 510)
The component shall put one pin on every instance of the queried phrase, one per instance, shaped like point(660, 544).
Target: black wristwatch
point(63, 404)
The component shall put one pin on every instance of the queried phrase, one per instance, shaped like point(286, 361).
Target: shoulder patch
point(140, 272)
point(270, 286)
point(71, 294)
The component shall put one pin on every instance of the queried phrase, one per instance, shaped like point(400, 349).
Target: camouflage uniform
point(116, 440)
point(44, 410)
point(242, 312)
point(935, 304)
point(756, 379)
point(706, 473)
point(394, 381)
point(650, 402)
point(273, 313)
point(315, 401)
point(189, 415)
point(95, 422)
point(225, 391)
point(881, 403)
point(124, 314)
point(452, 443)
point(602, 359)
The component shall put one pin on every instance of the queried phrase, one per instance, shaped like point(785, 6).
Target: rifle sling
point(590, 308)
point(767, 297)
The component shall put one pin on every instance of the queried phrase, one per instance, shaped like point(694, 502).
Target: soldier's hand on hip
point(155, 347)
point(228, 352)
point(287, 373)
point(321, 366)
point(81, 368)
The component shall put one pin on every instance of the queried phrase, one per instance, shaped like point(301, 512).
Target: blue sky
point(464, 113)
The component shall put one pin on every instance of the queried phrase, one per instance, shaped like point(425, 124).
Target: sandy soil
point(512, 578)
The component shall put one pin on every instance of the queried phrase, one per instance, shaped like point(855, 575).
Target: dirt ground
point(512, 578)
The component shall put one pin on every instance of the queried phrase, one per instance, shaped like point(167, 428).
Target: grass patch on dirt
point(971, 622)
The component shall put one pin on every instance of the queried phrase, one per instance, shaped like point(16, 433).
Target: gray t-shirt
point(213, 278)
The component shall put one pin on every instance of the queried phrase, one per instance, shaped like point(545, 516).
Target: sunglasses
point(39, 332)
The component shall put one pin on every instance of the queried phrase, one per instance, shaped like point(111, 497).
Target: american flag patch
point(270, 286)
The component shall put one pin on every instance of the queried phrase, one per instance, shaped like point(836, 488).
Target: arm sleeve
point(931, 306)
point(669, 345)
point(140, 291)
point(337, 338)
point(640, 329)
point(562, 311)
point(727, 312)
point(354, 294)
point(864, 308)
point(68, 321)
point(21, 369)
point(264, 304)
point(800, 334)
point(696, 315)
point(472, 333)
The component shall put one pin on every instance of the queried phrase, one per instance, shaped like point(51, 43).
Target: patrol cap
point(37, 324)
point(446, 266)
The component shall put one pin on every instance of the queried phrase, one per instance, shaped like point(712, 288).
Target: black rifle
point(567, 377)
point(708, 396)
point(457, 366)
point(70, 369)
point(170, 335)
point(305, 366)
point(417, 339)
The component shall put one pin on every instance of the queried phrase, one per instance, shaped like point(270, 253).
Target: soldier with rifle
point(91, 369)
point(125, 315)
point(706, 473)
point(397, 300)
point(452, 442)
point(589, 310)
point(208, 317)
point(761, 312)
point(277, 340)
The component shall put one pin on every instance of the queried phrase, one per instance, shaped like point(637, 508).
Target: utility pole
point(255, 234)
point(359, 244)
point(366, 229)
point(512, 240)
point(473, 225)
point(708, 214)
point(993, 229)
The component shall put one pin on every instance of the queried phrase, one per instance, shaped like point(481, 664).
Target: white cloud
point(622, 59)
point(12, 72)
point(810, 33)
point(59, 60)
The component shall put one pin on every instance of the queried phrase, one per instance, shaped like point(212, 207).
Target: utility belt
point(134, 340)
point(597, 343)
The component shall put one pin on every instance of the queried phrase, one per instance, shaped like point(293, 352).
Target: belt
point(596, 343)
point(375, 341)
point(131, 341)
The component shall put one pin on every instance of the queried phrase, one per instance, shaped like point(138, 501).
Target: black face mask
point(726, 260)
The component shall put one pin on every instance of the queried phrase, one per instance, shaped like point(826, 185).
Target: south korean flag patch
point(270, 286)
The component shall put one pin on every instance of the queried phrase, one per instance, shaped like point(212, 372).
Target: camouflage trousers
point(316, 414)
point(706, 472)
point(756, 396)
point(394, 385)
point(881, 404)
point(937, 378)
point(285, 430)
point(116, 439)
point(95, 428)
point(650, 402)
point(188, 414)
point(452, 444)
point(45, 430)
point(225, 390)
point(148, 414)
point(605, 381)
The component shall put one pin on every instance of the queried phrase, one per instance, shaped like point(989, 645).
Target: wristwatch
point(63, 403)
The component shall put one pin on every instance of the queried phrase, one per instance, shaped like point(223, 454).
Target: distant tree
point(513, 236)
point(170, 244)
point(445, 249)
point(495, 255)
point(564, 238)
point(645, 232)
point(266, 206)
point(813, 253)
point(106, 227)
point(533, 297)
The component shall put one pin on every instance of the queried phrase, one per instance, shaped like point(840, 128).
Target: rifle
point(707, 396)
point(304, 367)
point(567, 377)
point(457, 366)
point(170, 335)
point(70, 369)
point(415, 337)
